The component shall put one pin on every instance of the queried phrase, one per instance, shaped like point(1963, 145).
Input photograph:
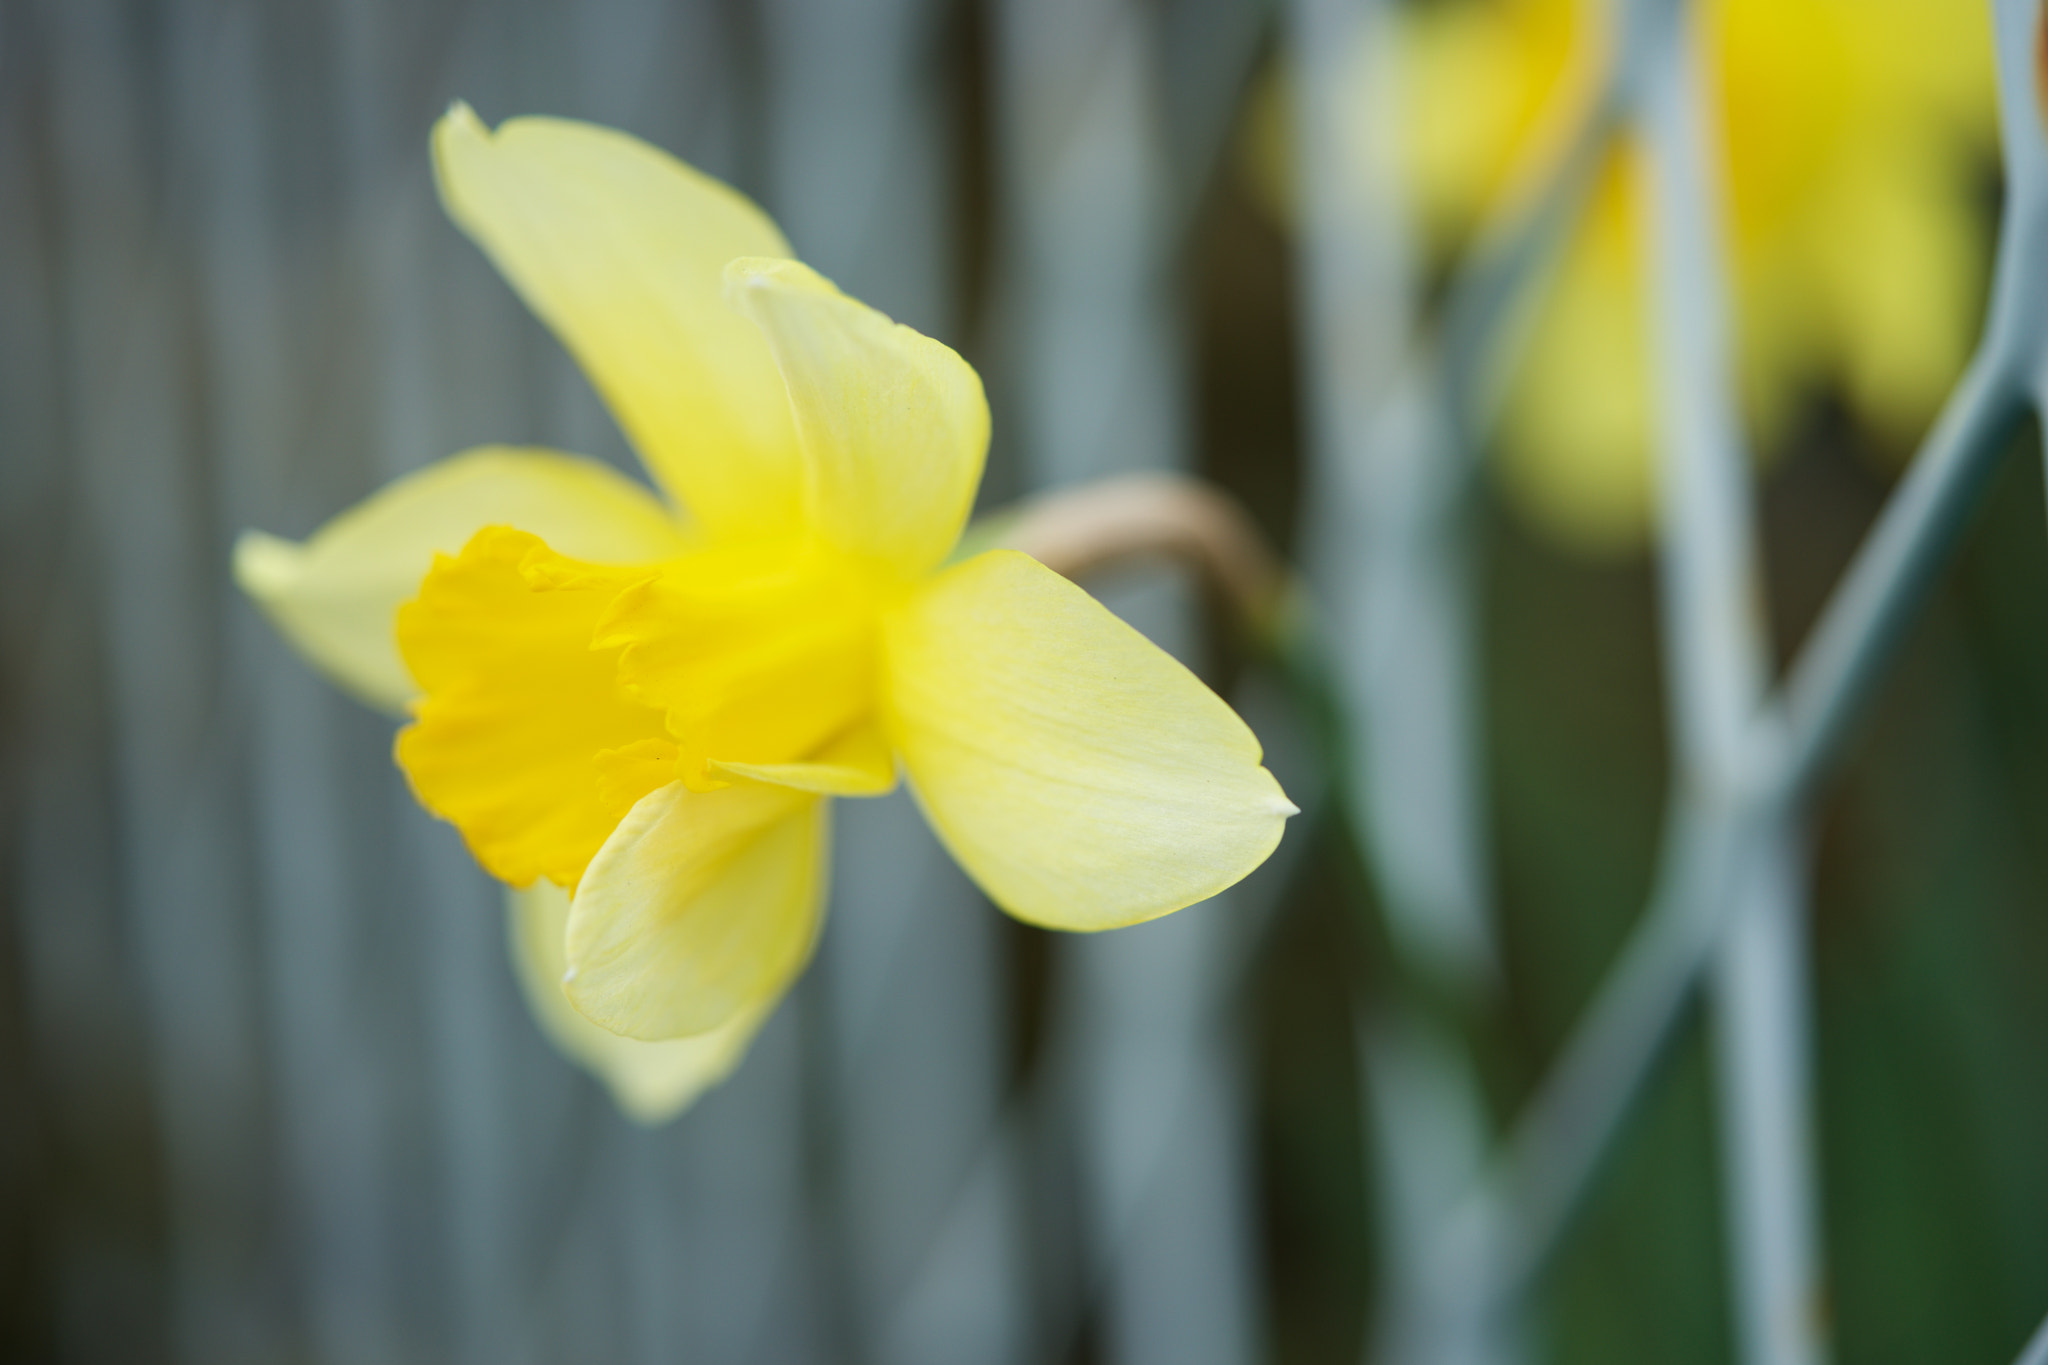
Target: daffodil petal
point(858, 763)
point(335, 595)
point(651, 1082)
point(621, 249)
point(1083, 777)
point(894, 425)
point(701, 907)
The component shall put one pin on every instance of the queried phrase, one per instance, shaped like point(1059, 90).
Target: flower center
point(758, 654)
point(558, 693)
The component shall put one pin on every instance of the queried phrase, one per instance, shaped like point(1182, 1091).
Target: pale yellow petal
point(894, 425)
point(621, 249)
point(858, 763)
point(700, 907)
point(335, 595)
point(651, 1082)
point(1083, 777)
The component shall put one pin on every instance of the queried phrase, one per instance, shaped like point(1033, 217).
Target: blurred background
point(268, 1092)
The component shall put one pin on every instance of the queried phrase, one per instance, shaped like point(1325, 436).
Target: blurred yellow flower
point(645, 705)
point(1856, 138)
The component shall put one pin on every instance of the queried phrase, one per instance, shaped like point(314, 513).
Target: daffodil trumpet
point(634, 706)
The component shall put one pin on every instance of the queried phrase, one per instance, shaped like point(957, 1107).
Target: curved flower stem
point(1079, 530)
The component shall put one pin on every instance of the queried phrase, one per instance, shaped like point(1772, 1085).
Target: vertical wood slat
point(1099, 369)
point(411, 334)
point(707, 1218)
point(128, 332)
point(911, 995)
point(686, 1241)
point(437, 928)
point(95, 1290)
point(1389, 556)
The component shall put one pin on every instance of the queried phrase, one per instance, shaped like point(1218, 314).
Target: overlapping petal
point(755, 655)
point(652, 1082)
point(1083, 777)
point(519, 707)
point(701, 906)
point(894, 425)
point(335, 596)
point(622, 249)
point(858, 763)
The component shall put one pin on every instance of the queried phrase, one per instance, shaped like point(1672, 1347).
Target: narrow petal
point(858, 763)
point(651, 1082)
point(335, 596)
point(894, 424)
point(521, 714)
point(621, 249)
point(701, 907)
point(1082, 776)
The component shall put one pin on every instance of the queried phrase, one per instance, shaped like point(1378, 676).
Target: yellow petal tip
point(460, 120)
point(651, 1082)
point(757, 274)
point(458, 131)
point(265, 565)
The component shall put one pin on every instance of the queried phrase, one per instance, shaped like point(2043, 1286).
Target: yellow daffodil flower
point(1855, 137)
point(1855, 140)
point(645, 703)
